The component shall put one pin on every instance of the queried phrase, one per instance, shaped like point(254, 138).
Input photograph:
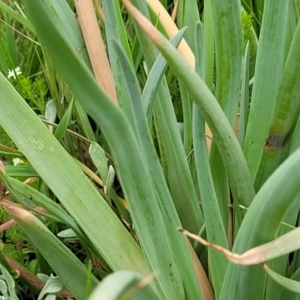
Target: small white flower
point(17, 161)
point(13, 73)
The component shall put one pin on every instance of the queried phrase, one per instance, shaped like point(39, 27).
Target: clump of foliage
point(134, 170)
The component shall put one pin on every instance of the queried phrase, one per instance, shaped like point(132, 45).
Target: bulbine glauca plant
point(157, 152)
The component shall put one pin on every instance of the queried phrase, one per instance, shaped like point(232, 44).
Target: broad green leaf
point(53, 285)
point(261, 225)
point(268, 73)
point(285, 115)
point(289, 284)
point(279, 265)
point(130, 285)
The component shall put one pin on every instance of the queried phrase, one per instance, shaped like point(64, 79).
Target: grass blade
point(64, 122)
point(155, 75)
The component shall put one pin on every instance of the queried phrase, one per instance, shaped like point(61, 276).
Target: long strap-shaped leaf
point(261, 225)
point(213, 220)
point(229, 147)
point(268, 71)
point(286, 112)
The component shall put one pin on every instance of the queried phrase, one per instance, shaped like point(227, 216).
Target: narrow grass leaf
point(226, 16)
point(26, 195)
point(209, 44)
point(64, 123)
point(174, 162)
point(31, 198)
point(115, 30)
point(17, 16)
point(84, 121)
point(227, 34)
point(10, 41)
point(188, 15)
point(172, 151)
point(244, 105)
point(64, 17)
point(155, 76)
